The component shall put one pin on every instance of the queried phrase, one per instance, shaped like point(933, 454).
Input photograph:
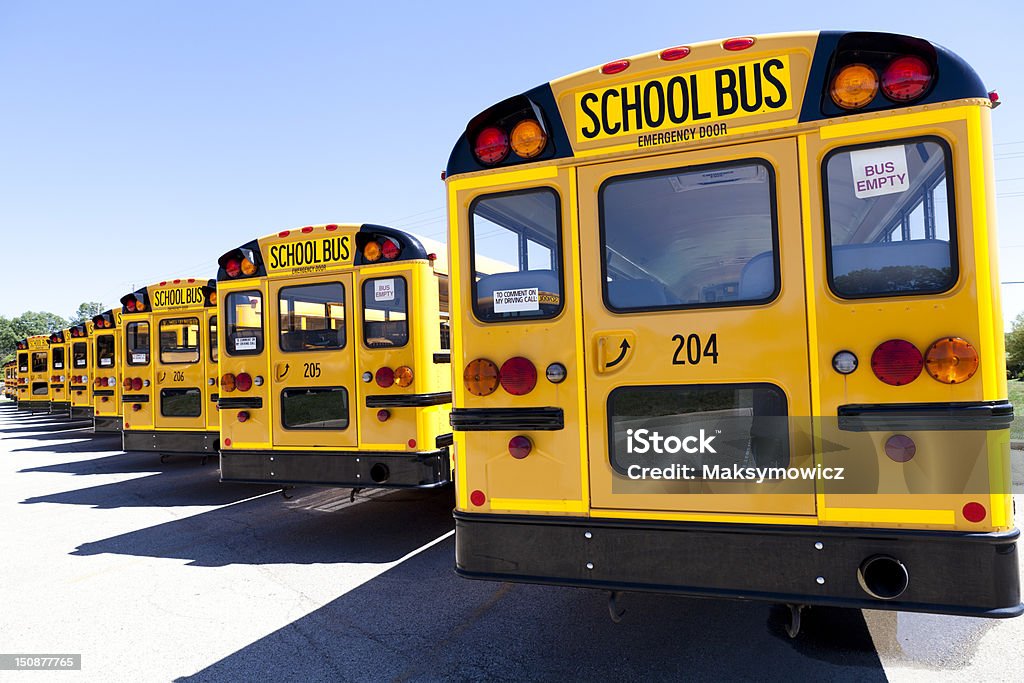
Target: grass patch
point(1016, 391)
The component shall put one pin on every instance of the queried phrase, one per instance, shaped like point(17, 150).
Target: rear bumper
point(62, 407)
point(34, 406)
point(424, 469)
point(171, 442)
point(949, 572)
point(107, 424)
point(81, 412)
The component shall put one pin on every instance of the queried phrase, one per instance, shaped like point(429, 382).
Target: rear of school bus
point(333, 370)
point(60, 398)
point(34, 370)
point(10, 379)
point(745, 337)
point(81, 367)
point(106, 380)
point(165, 370)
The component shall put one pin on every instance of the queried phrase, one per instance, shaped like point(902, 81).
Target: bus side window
point(890, 218)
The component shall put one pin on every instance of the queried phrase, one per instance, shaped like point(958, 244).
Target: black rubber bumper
point(949, 572)
point(107, 424)
point(200, 443)
point(34, 406)
point(61, 408)
point(423, 469)
point(81, 412)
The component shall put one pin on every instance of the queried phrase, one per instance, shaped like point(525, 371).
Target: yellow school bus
point(33, 356)
point(165, 368)
point(333, 359)
point(106, 380)
point(60, 399)
point(745, 340)
point(81, 367)
point(11, 379)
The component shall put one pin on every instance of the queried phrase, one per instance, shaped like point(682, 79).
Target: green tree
point(86, 310)
point(26, 325)
point(1015, 347)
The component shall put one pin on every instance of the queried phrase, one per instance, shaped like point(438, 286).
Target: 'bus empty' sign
point(879, 171)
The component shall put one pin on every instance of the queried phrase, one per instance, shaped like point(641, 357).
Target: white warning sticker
point(515, 300)
point(384, 290)
point(879, 171)
point(245, 343)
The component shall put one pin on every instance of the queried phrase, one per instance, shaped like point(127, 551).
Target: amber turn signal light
point(951, 360)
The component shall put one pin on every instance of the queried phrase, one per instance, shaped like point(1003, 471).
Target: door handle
point(614, 350)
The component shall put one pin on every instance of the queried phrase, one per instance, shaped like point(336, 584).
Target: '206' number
point(695, 351)
point(311, 370)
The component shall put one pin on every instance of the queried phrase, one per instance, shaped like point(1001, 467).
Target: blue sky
point(140, 140)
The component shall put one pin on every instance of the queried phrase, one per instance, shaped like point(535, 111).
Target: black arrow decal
point(624, 346)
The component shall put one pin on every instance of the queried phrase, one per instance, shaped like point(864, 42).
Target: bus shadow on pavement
point(269, 530)
point(419, 621)
point(75, 443)
point(41, 426)
point(172, 484)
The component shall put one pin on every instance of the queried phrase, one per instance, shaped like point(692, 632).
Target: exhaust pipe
point(883, 577)
point(380, 473)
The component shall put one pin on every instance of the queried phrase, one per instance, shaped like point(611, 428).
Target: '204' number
point(311, 370)
point(695, 351)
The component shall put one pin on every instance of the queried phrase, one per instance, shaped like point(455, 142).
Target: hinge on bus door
point(613, 349)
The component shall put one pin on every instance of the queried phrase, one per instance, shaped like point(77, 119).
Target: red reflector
point(491, 145)
point(974, 512)
point(735, 44)
point(390, 249)
point(674, 53)
point(227, 442)
point(518, 376)
point(906, 78)
point(233, 267)
point(137, 384)
point(385, 377)
point(519, 447)
point(243, 416)
point(412, 443)
point(477, 498)
point(136, 407)
point(243, 381)
point(896, 362)
point(383, 415)
point(900, 448)
point(616, 67)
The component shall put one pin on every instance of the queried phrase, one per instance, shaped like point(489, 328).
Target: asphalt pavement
point(158, 572)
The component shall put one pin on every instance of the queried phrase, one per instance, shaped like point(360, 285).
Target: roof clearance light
point(371, 252)
point(896, 362)
point(528, 139)
point(616, 67)
point(491, 145)
point(737, 44)
point(480, 377)
point(951, 360)
point(390, 249)
point(673, 53)
point(854, 86)
point(906, 79)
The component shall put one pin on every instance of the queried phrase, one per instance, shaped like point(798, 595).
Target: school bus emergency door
point(744, 336)
point(81, 354)
point(106, 383)
point(166, 330)
point(331, 360)
point(60, 399)
point(34, 369)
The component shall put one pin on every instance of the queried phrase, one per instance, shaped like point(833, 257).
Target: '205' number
point(311, 370)
point(695, 351)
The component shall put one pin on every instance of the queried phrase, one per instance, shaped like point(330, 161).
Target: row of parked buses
point(724, 321)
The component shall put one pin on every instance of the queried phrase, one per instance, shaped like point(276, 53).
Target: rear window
point(516, 257)
point(385, 313)
point(738, 424)
point(137, 338)
point(105, 351)
point(57, 357)
point(80, 354)
point(315, 408)
point(179, 340)
point(213, 339)
point(22, 362)
point(890, 220)
point(690, 237)
point(244, 323)
point(312, 317)
point(181, 402)
point(39, 360)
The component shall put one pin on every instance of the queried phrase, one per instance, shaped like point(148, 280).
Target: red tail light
point(491, 145)
point(137, 384)
point(896, 362)
point(389, 249)
point(385, 377)
point(130, 304)
point(518, 376)
point(906, 78)
point(233, 267)
point(243, 381)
